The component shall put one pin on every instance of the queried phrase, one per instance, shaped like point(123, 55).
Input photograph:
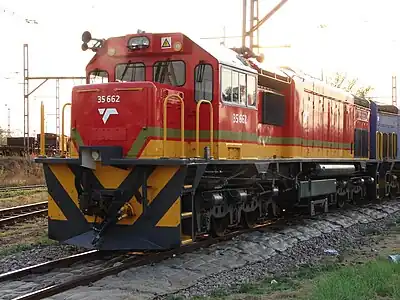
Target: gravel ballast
point(226, 265)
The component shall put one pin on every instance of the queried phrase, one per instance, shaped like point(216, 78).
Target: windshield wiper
point(126, 69)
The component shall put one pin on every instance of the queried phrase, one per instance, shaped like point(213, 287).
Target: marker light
point(111, 51)
point(138, 42)
point(178, 46)
point(95, 155)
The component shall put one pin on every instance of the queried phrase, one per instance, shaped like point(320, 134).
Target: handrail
point(42, 144)
point(62, 128)
point(182, 123)
point(379, 145)
point(198, 127)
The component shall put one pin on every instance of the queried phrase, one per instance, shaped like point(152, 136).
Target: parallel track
point(50, 265)
point(16, 214)
point(22, 187)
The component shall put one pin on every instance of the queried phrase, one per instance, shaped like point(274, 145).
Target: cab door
point(237, 134)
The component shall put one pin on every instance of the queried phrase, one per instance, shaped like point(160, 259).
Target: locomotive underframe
point(214, 195)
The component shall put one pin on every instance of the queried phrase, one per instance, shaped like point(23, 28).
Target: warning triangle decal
point(166, 42)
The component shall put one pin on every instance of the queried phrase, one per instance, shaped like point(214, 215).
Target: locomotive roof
point(225, 55)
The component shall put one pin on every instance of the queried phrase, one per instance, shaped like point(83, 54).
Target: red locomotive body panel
point(316, 120)
point(110, 114)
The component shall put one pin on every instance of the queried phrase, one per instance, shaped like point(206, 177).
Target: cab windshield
point(130, 72)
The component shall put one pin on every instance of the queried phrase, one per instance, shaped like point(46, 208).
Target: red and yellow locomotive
point(173, 140)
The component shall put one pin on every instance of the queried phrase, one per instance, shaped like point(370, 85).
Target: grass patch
point(378, 279)
point(16, 198)
point(373, 280)
point(16, 193)
point(269, 285)
point(15, 248)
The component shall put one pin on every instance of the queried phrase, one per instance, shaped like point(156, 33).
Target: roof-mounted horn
point(87, 38)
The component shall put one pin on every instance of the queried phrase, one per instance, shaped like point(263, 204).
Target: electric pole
point(251, 29)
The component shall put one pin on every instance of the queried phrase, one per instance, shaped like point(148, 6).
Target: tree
point(341, 80)
point(3, 136)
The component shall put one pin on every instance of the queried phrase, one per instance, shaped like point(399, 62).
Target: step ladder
point(188, 220)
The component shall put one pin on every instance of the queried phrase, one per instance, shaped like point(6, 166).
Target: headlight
point(95, 155)
point(138, 42)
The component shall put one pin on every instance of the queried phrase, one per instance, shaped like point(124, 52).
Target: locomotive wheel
point(249, 219)
point(219, 225)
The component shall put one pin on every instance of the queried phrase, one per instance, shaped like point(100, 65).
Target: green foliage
point(3, 136)
point(341, 80)
point(374, 280)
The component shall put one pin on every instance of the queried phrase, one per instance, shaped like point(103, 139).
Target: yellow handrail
point(182, 123)
point(62, 128)
point(42, 151)
point(387, 145)
point(379, 145)
point(198, 127)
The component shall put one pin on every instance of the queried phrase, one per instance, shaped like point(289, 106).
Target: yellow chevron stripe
point(172, 217)
point(54, 212)
point(110, 177)
point(66, 179)
point(158, 179)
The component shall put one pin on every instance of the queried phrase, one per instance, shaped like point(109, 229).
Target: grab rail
point(198, 127)
point(182, 123)
point(42, 144)
point(62, 128)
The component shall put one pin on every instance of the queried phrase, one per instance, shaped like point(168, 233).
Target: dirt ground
point(20, 171)
point(16, 198)
point(23, 235)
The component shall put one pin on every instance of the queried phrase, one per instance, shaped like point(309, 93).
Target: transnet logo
point(107, 112)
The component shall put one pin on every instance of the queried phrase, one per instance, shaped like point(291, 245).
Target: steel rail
point(23, 212)
point(22, 187)
point(131, 262)
point(49, 265)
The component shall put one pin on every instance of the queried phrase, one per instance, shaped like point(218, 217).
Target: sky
point(358, 37)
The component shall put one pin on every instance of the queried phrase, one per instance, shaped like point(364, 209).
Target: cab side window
point(226, 85)
point(170, 72)
point(251, 91)
point(203, 84)
point(238, 88)
point(98, 76)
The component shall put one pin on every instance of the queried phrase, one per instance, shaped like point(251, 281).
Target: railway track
point(22, 187)
point(130, 261)
point(16, 214)
point(50, 265)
